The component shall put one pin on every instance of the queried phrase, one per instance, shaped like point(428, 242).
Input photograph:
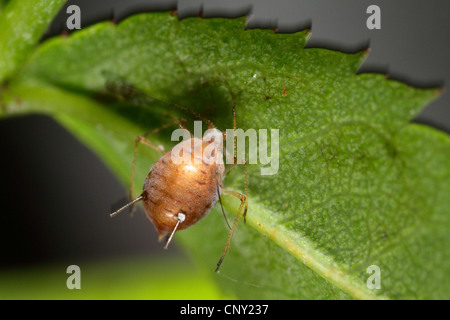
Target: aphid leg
point(235, 161)
point(195, 114)
point(143, 139)
point(234, 135)
point(227, 154)
point(245, 190)
point(221, 205)
point(231, 167)
point(242, 207)
point(174, 121)
point(243, 161)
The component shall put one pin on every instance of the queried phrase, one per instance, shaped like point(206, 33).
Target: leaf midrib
point(305, 253)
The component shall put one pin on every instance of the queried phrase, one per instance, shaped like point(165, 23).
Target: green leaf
point(22, 24)
point(358, 184)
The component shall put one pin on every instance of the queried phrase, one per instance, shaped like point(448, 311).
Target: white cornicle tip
point(181, 217)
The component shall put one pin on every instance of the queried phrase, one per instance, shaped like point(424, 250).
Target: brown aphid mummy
point(191, 188)
point(177, 194)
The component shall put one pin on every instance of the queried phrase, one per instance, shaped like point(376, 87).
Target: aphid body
point(191, 187)
point(177, 194)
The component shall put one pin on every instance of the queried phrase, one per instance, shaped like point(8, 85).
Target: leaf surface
point(22, 24)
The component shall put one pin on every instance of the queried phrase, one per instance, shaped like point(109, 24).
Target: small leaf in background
point(358, 184)
point(22, 24)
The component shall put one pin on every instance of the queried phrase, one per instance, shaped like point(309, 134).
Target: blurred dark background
point(56, 194)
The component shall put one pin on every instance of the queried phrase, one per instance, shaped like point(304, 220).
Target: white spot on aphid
point(190, 168)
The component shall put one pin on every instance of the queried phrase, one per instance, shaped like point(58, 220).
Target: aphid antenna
point(115, 213)
point(136, 92)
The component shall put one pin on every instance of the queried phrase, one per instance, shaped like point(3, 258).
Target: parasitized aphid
point(178, 195)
